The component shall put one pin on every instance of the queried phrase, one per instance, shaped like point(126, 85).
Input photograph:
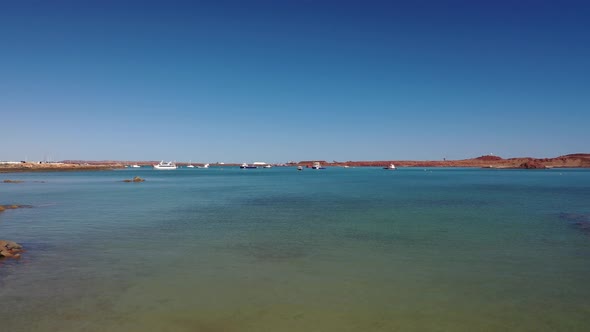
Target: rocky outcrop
point(135, 179)
point(533, 164)
point(10, 249)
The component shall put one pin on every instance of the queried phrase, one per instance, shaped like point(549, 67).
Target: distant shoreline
point(61, 167)
point(579, 160)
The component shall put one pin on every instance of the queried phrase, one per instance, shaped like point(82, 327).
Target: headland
point(578, 160)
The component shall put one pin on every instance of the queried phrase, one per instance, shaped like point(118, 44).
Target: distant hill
point(577, 155)
point(489, 157)
point(488, 161)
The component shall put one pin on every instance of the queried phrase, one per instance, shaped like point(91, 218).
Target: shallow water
point(358, 249)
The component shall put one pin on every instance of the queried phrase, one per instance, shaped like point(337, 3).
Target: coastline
point(579, 160)
point(55, 167)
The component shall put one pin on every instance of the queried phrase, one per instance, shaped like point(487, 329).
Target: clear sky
point(244, 81)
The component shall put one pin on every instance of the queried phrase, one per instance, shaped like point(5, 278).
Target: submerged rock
point(13, 181)
point(10, 249)
point(579, 221)
point(583, 226)
point(135, 179)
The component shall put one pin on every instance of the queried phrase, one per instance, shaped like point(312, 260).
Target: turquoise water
point(358, 249)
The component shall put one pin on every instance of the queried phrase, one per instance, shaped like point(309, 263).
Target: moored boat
point(317, 165)
point(390, 167)
point(165, 166)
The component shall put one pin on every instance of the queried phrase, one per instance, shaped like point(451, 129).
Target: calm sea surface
point(358, 249)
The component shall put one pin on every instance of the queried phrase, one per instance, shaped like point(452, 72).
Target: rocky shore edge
point(10, 249)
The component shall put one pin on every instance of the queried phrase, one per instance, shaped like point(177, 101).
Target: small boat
point(267, 166)
point(317, 165)
point(163, 165)
point(390, 167)
point(204, 166)
point(244, 165)
point(300, 168)
point(190, 164)
point(135, 166)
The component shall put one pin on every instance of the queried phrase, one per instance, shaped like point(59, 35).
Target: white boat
point(244, 165)
point(317, 165)
point(204, 166)
point(135, 166)
point(267, 166)
point(190, 164)
point(390, 167)
point(163, 165)
point(300, 168)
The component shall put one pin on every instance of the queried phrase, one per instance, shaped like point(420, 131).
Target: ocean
point(340, 249)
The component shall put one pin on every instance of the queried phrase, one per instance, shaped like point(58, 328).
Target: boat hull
point(164, 167)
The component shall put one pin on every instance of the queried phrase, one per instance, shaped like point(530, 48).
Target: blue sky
point(240, 81)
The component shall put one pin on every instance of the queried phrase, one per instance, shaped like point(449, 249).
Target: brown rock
point(10, 249)
point(13, 206)
point(135, 179)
